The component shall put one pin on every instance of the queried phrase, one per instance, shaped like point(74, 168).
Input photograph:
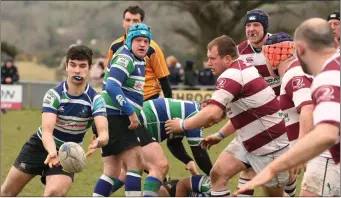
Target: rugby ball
point(72, 157)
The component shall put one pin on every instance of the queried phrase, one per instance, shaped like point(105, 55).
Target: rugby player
point(156, 68)
point(334, 22)
point(153, 116)
point(315, 48)
point(296, 105)
point(123, 95)
point(253, 110)
point(68, 111)
point(256, 29)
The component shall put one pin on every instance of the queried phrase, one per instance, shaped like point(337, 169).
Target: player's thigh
point(112, 165)
point(322, 177)
point(132, 158)
point(258, 163)
point(15, 181)
point(57, 185)
point(154, 156)
point(226, 166)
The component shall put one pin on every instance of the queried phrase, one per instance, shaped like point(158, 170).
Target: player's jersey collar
point(66, 87)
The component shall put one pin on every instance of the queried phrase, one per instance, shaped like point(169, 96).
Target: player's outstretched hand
point(191, 167)
point(300, 168)
point(210, 140)
point(262, 178)
point(134, 121)
point(173, 126)
point(92, 146)
point(52, 160)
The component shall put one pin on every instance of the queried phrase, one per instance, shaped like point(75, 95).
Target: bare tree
point(215, 18)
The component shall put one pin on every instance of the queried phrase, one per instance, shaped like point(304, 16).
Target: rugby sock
point(103, 187)
point(133, 184)
point(117, 185)
point(224, 193)
point(242, 182)
point(290, 189)
point(151, 187)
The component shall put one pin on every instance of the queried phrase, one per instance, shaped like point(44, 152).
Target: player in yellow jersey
point(156, 68)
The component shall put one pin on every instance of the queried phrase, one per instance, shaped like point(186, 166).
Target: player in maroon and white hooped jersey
point(256, 29)
point(253, 109)
point(297, 109)
point(315, 48)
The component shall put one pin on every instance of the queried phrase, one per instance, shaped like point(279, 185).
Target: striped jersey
point(156, 112)
point(295, 93)
point(325, 91)
point(257, 59)
point(252, 107)
point(128, 72)
point(156, 66)
point(75, 114)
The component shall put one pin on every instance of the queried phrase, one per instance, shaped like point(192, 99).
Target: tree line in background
point(181, 28)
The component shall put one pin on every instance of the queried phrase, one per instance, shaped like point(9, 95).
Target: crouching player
point(68, 111)
point(153, 116)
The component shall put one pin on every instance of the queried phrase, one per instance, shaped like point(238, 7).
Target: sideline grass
point(18, 126)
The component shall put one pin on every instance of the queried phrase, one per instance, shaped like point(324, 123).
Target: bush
point(9, 49)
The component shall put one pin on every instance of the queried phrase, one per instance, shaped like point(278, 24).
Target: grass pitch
point(18, 126)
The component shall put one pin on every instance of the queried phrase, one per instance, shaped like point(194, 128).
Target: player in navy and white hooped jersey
point(315, 48)
point(256, 28)
point(75, 114)
point(253, 109)
point(68, 111)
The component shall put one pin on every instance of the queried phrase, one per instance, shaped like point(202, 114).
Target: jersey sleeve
point(158, 62)
point(98, 106)
point(298, 89)
point(51, 101)
point(327, 105)
point(227, 88)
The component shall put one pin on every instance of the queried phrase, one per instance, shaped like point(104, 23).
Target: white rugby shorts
point(258, 163)
point(322, 177)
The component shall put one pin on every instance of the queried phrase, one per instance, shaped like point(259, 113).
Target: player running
point(315, 47)
point(68, 111)
point(254, 113)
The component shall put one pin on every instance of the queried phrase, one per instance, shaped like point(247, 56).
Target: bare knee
point(55, 191)
point(215, 174)
point(163, 167)
point(133, 159)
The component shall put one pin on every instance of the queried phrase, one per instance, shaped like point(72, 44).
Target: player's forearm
point(166, 88)
point(314, 143)
point(116, 94)
point(228, 129)
point(306, 120)
point(209, 114)
point(48, 142)
point(102, 130)
point(48, 124)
